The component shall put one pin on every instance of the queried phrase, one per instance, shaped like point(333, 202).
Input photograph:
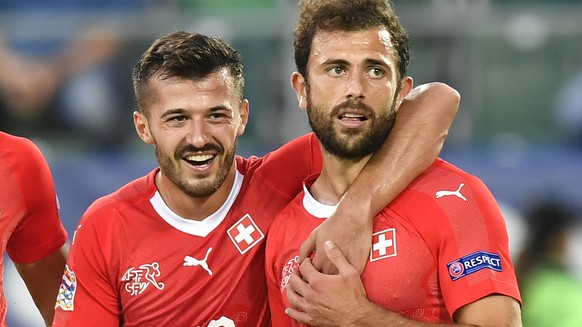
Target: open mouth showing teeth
point(349, 116)
point(199, 159)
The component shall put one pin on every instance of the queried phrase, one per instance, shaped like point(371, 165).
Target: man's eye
point(178, 118)
point(376, 72)
point(175, 119)
point(336, 70)
point(216, 115)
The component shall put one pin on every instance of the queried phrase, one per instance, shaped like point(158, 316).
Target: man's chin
point(200, 191)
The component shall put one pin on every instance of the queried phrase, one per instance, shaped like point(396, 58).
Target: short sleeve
point(87, 296)
point(39, 232)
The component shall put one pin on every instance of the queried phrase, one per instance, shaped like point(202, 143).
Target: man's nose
point(199, 133)
point(355, 86)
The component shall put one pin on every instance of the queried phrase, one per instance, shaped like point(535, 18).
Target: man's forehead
point(353, 46)
point(221, 76)
point(368, 38)
point(216, 89)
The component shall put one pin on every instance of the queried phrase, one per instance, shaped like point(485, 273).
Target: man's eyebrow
point(219, 108)
point(182, 111)
point(381, 63)
point(173, 111)
point(341, 62)
point(367, 61)
point(376, 62)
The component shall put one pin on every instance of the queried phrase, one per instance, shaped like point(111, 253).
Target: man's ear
point(298, 84)
point(405, 88)
point(142, 127)
point(244, 116)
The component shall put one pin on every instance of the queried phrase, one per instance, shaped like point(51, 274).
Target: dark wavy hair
point(347, 15)
point(185, 55)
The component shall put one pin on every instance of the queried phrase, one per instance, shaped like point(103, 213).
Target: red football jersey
point(440, 245)
point(29, 219)
point(134, 262)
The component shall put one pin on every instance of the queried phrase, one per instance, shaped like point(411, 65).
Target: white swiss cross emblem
point(383, 244)
point(245, 234)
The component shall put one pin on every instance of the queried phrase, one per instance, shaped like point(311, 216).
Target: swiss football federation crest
point(245, 234)
point(138, 279)
point(66, 296)
point(289, 268)
point(383, 244)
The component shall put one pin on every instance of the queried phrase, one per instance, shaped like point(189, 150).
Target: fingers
point(295, 290)
point(336, 257)
point(298, 305)
point(323, 264)
point(308, 271)
point(299, 284)
point(299, 316)
point(331, 262)
point(308, 246)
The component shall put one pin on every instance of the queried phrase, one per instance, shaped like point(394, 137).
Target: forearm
point(372, 315)
point(418, 135)
point(42, 278)
point(475, 314)
point(422, 124)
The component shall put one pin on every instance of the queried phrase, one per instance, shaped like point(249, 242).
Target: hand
point(326, 300)
point(349, 232)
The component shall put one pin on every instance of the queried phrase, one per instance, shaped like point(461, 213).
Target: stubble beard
point(202, 186)
point(353, 144)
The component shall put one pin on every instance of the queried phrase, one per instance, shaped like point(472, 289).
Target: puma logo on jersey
point(191, 261)
point(456, 193)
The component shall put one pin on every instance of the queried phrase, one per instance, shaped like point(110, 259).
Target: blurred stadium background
point(516, 64)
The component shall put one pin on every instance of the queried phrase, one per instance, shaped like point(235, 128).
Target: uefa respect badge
point(472, 263)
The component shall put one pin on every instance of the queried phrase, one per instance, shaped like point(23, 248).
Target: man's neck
point(189, 207)
point(336, 177)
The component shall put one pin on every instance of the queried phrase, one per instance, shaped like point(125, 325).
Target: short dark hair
point(185, 55)
point(347, 15)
